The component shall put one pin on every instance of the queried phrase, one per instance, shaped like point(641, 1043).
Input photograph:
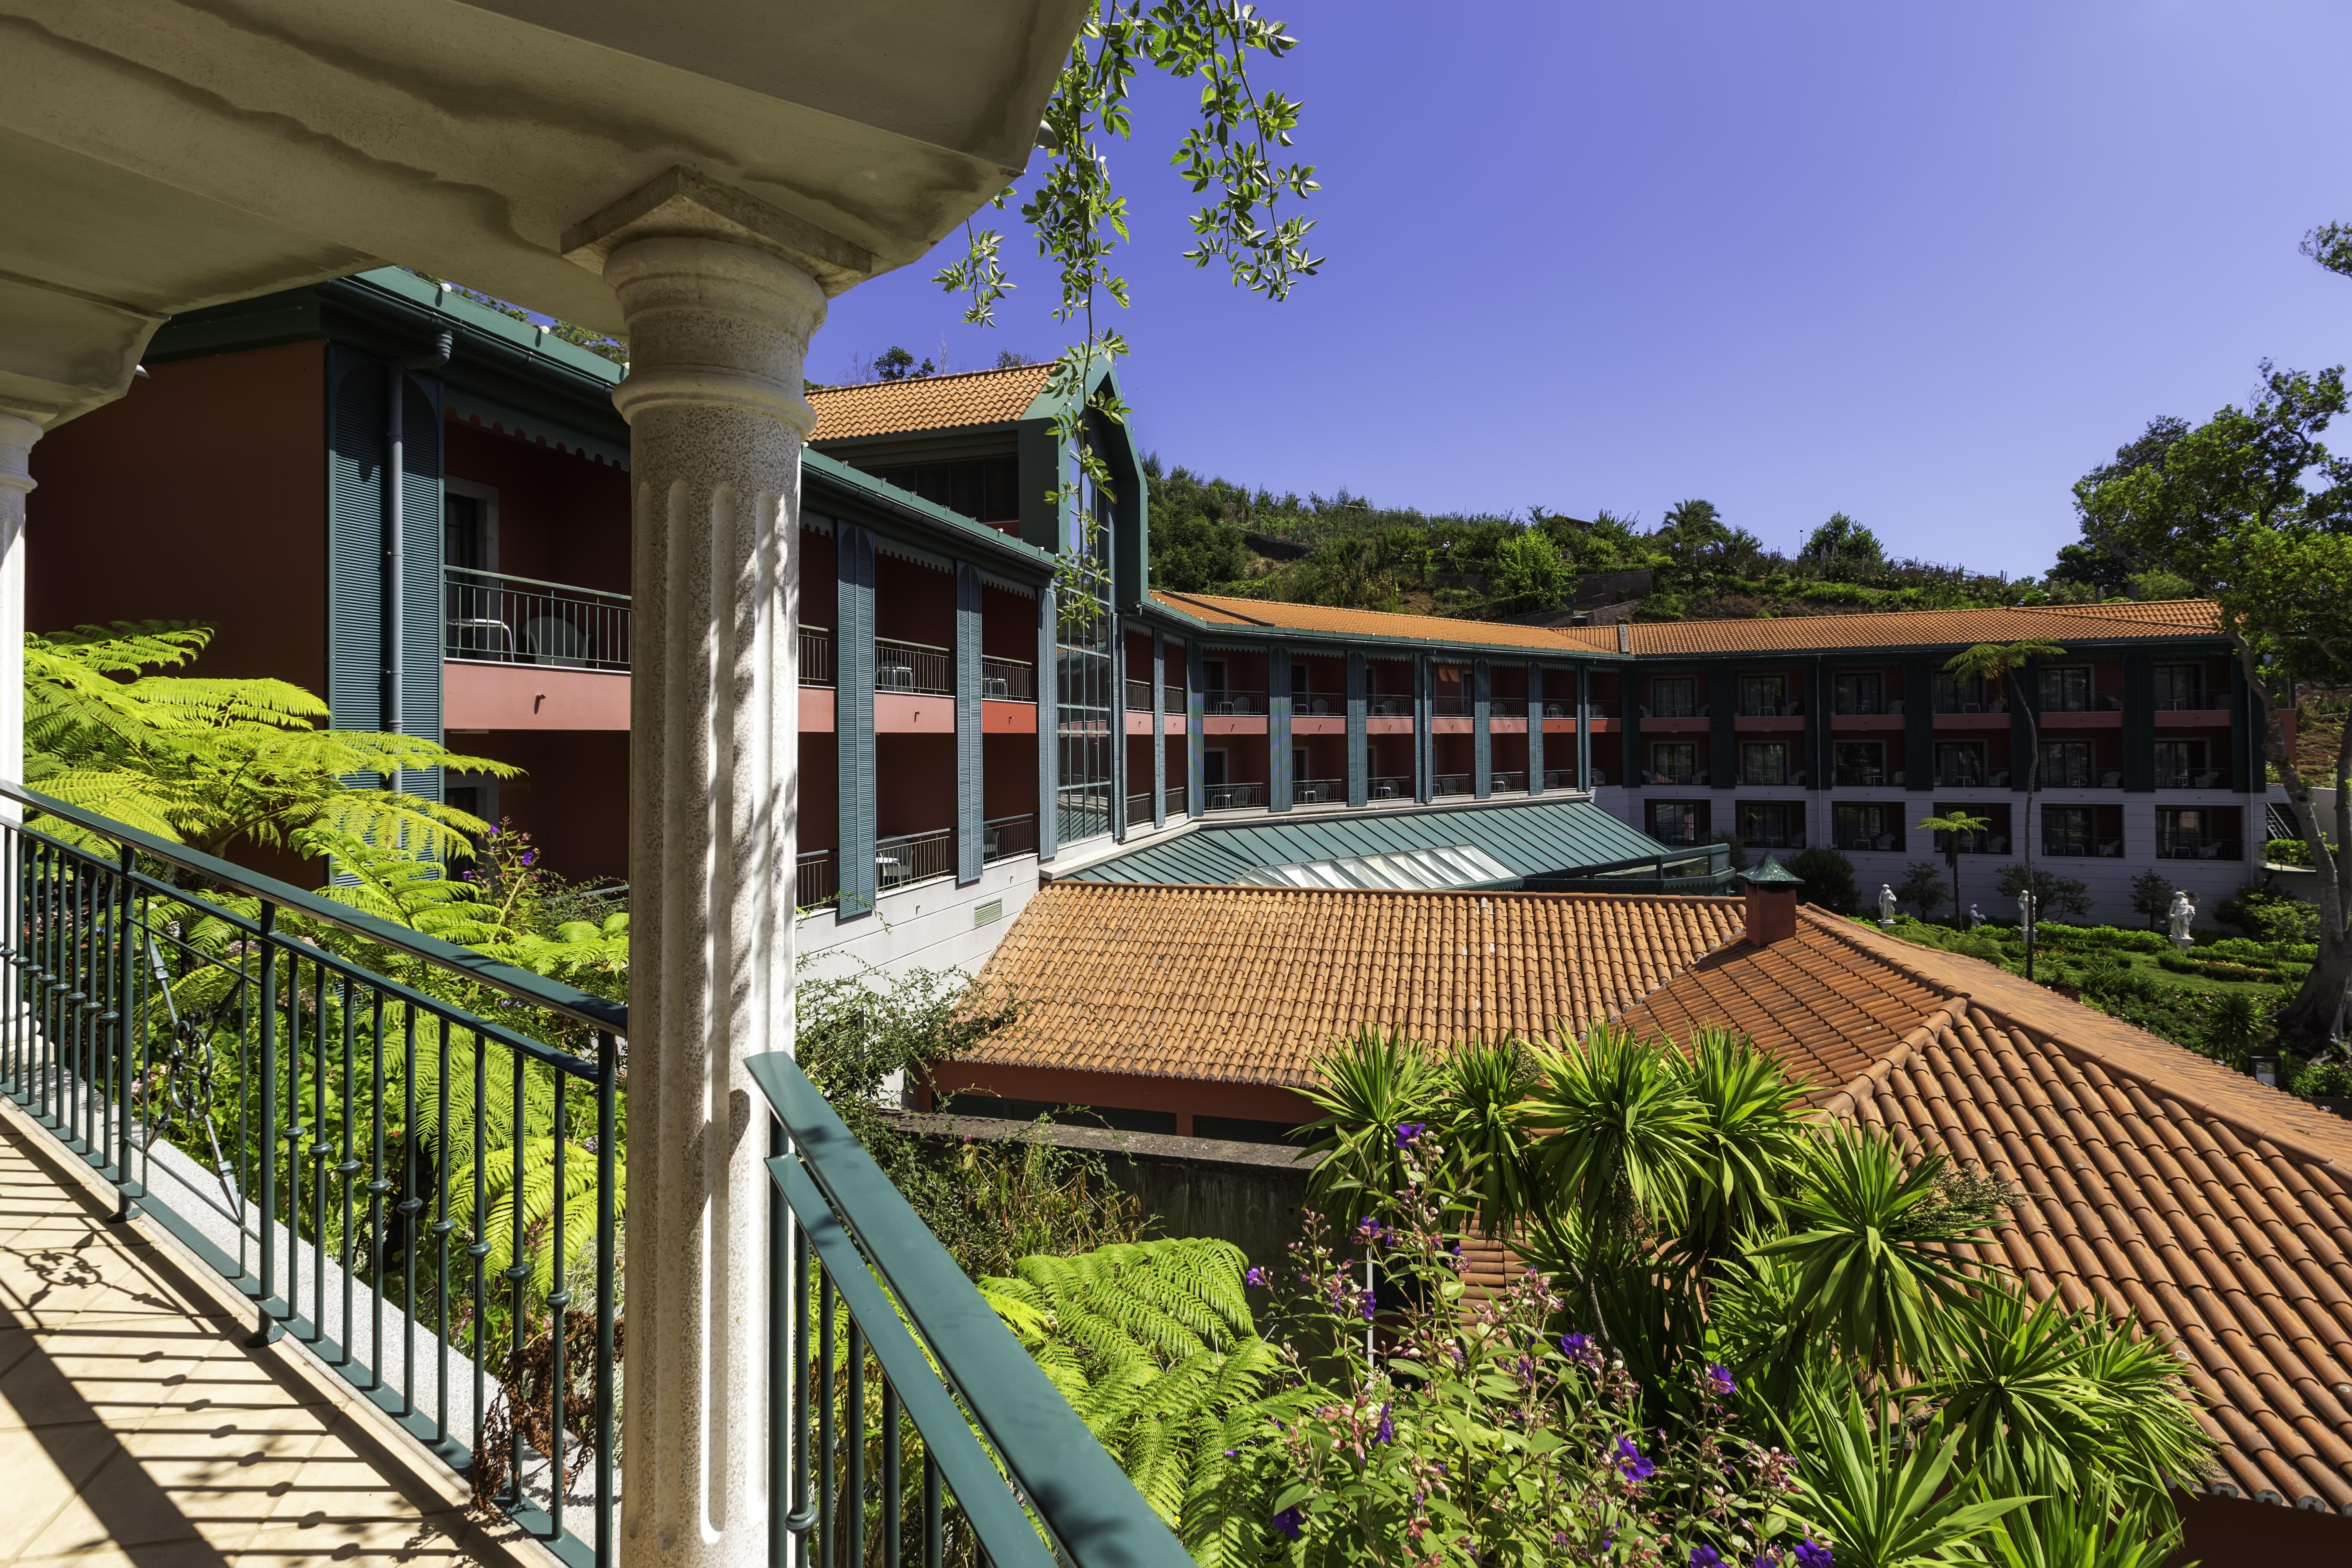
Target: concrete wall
point(1252, 1195)
point(932, 925)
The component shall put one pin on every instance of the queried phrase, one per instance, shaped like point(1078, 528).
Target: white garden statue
point(2025, 908)
point(2182, 914)
point(1885, 907)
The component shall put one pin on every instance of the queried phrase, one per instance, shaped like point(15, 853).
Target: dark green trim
point(1723, 726)
point(1482, 730)
point(1359, 701)
point(1048, 686)
point(970, 783)
point(1535, 727)
point(2139, 724)
point(1918, 727)
point(1280, 782)
point(1158, 729)
point(1195, 739)
point(853, 721)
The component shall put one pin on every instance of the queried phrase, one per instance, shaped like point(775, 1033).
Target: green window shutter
point(420, 532)
point(355, 501)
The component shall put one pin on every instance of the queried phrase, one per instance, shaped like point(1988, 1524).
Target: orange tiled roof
point(1890, 629)
point(2154, 1181)
point(929, 403)
point(1250, 985)
point(1219, 610)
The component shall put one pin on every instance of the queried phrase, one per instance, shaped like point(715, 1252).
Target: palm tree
point(1953, 824)
point(2001, 662)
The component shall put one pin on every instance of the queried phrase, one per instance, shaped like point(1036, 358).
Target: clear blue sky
point(1922, 264)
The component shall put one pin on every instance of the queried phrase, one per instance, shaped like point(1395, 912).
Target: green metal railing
point(922, 1399)
point(337, 1143)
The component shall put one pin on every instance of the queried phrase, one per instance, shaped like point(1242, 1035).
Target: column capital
point(714, 323)
point(681, 204)
point(17, 435)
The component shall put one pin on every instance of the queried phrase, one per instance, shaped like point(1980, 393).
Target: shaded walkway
point(137, 1427)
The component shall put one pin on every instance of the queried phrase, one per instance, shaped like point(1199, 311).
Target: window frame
point(1690, 773)
point(1775, 682)
point(1791, 832)
point(1686, 688)
point(2090, 754)
point(1750, 749)
point(2065, 672)
point(1838, 766)
point(2196, 672)
point(1841, 702)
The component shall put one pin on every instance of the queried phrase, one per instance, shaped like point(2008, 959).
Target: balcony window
point(2179, 688)
point(2066, 764)
point(1773, 825)
point(1764, 762)
point(2066, 688)
point(1992, 839)
point(1674, 764)
point(1960, 693)
point(1763, 696)
point(1858, 691)
point(1862, 826)
point(1673, 696)
point(2193, 833)
point(1861, 763)
point(1677, 822)
point(2077, 830)
point(2180, 765)
point(1960, 763)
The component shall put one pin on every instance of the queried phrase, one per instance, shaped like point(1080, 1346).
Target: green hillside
point(1211, 535)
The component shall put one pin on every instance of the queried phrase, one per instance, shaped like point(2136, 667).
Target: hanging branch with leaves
point(1235, 151)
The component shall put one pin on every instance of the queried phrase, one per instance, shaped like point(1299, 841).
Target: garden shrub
point(2054, 934)
point(1829, 878)
point(2268, 916)
point(2332, 1080)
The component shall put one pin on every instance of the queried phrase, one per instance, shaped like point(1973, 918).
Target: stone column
point(719, 327)
point(17, 435)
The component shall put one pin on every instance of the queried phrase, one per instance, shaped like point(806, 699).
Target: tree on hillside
point(1693, 529)
point(2102, 559)
point(1842, 544)
point(897, 364)
point(1528, 572)
point(2253, 511)
point(2330, 244)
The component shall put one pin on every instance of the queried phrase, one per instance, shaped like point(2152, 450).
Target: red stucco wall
point(201, 496)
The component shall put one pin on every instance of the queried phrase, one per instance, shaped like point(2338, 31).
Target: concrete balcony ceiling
point(161, 155)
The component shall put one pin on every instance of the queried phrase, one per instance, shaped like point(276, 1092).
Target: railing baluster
point(933, 1542)
point(378, 1188)
point(267, 1330)
point(518, 1271)
point(442, 1226)
point(804, 1514)
point(607, 1261)
point(891, 1501)
point(825, 1536)
point(853, 1522)
point(478, 1248)
point(319, 1149)
point(349, 1167)
point(559, 1302)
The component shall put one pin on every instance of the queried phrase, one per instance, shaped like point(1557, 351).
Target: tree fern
point(1153, 1345)
point(537, 1235)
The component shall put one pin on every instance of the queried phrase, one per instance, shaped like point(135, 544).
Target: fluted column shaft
point(718, 334)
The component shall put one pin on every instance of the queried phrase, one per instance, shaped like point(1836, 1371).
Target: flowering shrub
point(1470, 1430)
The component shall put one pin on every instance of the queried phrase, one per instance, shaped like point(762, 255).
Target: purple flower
point(1232, 1452)
point(1368, 1306)
point(1705, 1557)
point(1579, 1348)
point(1370, 1229)
point(1719, 1382)
point(528, 855)
point(1811, 1554)
point(1767, 1558)
point(1387, 1433)
point(1255, 1278)
point(1409, 1130)
point(1291, 1521)
point(1632, 1466)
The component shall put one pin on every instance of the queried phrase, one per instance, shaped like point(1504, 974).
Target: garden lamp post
point(2002, 662)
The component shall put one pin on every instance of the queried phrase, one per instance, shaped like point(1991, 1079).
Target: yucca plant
point(1886, 1496)
point(1375, 1086)
point(1623, 1129)
point(1749, 1143)
point(2089, 1530)
point(1481, 1090)
point(1877, 1251)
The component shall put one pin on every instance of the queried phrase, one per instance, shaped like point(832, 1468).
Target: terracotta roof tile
point(927, 403)
point(1891, 630)
point(2152, 1180)
point(1244, 984)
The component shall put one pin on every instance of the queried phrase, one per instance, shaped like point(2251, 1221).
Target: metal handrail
point(1002, 838)
point(1450, 783)
point(1559, 778)
point(920, 856)
point(1233, 797)
point(215, 1117)
point(487, 617)
point(816, 655)
point(1032, 1482)
point(1317, 792)
point(1507, 782)
point(914, 666)
point(1390, 786)
point(1005, 680)
point(816, 880)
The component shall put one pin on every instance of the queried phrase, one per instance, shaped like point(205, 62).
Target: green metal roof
point(1772, 874)
point(1526, 839)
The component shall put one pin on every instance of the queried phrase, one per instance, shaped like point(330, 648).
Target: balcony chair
point(2209, 851)
point(1798, 778)
point(1699, 777)
point(1898, 778)
point(2210, 778)
point(2110, 780)
point(2001, 779)
point(894, 678)
point(1996, 845)
point(1599, 778)
point(1884, 841)
point(555, 640)
point(2112, 704)
point(2111, 848)
point(1896, 706)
